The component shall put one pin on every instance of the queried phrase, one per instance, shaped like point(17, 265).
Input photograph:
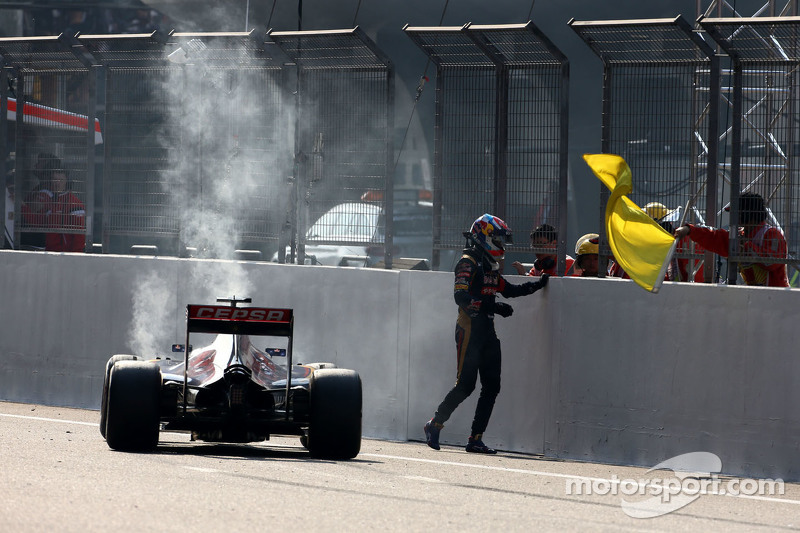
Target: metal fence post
point(20, 160)
point(4, 152)
point(438, 149)
point(712, 168)
point(606, 148)
point(563, 165)
point(736, 139)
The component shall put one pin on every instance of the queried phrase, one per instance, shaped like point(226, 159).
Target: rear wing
point(225, 319)
point(232, 320)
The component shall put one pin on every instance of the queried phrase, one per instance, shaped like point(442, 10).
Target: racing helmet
point(656, 210)
point(491, 234)
point(588, 244)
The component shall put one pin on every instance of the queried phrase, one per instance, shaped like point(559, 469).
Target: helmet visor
point(502, 240)
point(498, 242)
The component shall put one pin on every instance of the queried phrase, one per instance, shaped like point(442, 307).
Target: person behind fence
point(679, 267)
point(587, 256)
point(53, 206)
point(756, 239)
point(477, 283)
point(45, 161)
point(544, 236)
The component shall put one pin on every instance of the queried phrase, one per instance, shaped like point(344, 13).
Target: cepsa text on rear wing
point(239, 320)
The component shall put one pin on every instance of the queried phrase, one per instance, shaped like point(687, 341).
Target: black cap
point(751, 208)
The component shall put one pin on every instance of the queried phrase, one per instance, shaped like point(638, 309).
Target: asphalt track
point(58, 475)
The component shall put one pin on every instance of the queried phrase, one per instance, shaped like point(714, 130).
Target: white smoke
point(229, 159)
point(230, 174)
point(154, 304)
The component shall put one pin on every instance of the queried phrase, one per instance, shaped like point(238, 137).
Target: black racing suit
point(477, 345)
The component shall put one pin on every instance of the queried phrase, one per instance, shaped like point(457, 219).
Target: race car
point(231, 390)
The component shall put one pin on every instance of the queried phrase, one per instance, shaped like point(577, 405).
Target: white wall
point(596, 370)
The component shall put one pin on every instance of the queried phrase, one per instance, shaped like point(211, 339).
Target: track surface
point(59, 475)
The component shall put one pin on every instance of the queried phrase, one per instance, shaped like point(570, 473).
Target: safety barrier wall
point(594, 369)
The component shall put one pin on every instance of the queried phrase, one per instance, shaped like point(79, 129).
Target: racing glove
point(503, 309)
point(474, 308)
point(533, 286)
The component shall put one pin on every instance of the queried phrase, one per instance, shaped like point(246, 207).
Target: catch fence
point(660, 113)
point(697, 135)
point(45, 103)
point(501, 131)
point(344, 137)
point(763, 139)
point(207, 142)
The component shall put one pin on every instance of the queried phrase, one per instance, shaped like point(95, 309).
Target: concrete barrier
point(596, 370)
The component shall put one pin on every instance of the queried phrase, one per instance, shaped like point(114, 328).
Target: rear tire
point(132, 411)
point(104, 398)
point(334, 430)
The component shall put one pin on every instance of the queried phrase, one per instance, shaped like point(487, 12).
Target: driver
point(477, 282)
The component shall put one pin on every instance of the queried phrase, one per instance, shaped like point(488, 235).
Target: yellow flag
point(641, 247)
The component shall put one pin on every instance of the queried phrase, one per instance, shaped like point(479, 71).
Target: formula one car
point(232, 391)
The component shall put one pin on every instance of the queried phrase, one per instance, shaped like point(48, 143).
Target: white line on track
point(423, 478)
point(204, 470)
point(461, 465)
point(42, 419)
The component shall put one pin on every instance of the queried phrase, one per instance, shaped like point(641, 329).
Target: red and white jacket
point(50, 211)
point(761, 241)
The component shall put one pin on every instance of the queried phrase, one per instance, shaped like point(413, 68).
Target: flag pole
point(668, 259)
point(686, 211)
point(660, 280)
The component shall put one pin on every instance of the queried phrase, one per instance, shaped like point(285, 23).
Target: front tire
point(132, 412)
point(334, 430)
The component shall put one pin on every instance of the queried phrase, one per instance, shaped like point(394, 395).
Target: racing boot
point(432, 429)
point(476, 445)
